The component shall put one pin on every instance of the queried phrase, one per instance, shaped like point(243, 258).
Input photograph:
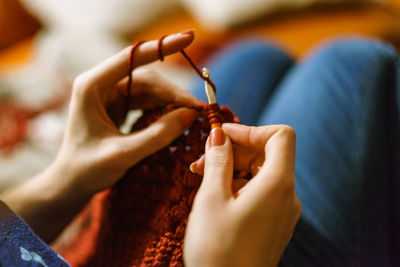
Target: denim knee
point(369, 52)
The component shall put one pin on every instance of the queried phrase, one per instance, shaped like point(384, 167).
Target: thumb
point(218, 169)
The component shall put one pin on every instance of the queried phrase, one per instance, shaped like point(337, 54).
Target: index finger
point(250, 136)
point(278, 142)
point(150, 82)
point(112, 70)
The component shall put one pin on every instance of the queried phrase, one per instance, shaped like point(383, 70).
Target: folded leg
point(343, 104)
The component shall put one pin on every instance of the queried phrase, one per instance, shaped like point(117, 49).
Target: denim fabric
point(246, 74)
point(20, 246)
point(343, 102)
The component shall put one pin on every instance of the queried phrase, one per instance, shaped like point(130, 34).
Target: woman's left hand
point(94, 151)
point(94, 154)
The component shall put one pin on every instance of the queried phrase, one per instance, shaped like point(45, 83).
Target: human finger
point(278, 142)
point(148, 90)
point(140, 144)
point(108, 73)
point(218, 170)
point(147, 81)
point(249, 136)
point(275, 178)
point(248, 160)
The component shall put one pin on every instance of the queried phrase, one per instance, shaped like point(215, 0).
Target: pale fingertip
point(180, 36)
point(188, 32)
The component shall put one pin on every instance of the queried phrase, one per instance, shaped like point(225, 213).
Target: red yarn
point(129, 84)
point(141, 220)
point(159, 48)
point(213, 113)
point(207, 79)
point(213, 108)
point(188, 59)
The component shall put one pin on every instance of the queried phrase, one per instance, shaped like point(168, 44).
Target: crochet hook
point(210, 93)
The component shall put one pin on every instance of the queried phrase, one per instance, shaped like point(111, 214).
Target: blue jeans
point(344, 103)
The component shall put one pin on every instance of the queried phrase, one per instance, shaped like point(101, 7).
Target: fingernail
point(217, 137)
point(188, 31)
point(192, 167)
point(188, 117)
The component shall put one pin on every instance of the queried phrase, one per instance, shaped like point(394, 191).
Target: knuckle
point(216, 160)
point(145, 76)
point(252, 132)
point(287, 131)
point(147, 73)
point(264, 130)
point(81, 84)
point(297, 208)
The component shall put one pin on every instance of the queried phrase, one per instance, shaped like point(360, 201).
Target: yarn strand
point(198, 71)
point(212, 109)
point(129, 84)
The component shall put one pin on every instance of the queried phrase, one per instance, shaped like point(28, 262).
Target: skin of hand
point(94, 154)
point(238, 222)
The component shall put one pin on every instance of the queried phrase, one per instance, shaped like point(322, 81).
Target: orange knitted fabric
point(141, 221)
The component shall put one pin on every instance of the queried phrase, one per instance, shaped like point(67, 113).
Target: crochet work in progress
point(141, 221)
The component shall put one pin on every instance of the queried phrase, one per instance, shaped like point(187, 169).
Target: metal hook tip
point(206, 72)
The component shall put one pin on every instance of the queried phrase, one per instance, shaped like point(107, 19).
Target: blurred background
point(44, 44)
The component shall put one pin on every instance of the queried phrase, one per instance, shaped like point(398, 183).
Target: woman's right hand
point(240, 223)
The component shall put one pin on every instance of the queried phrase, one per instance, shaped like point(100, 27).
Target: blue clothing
point(343, 102)
point(19, 246)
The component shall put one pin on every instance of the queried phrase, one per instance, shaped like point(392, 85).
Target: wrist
point(63, 182)
point(46, 202)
